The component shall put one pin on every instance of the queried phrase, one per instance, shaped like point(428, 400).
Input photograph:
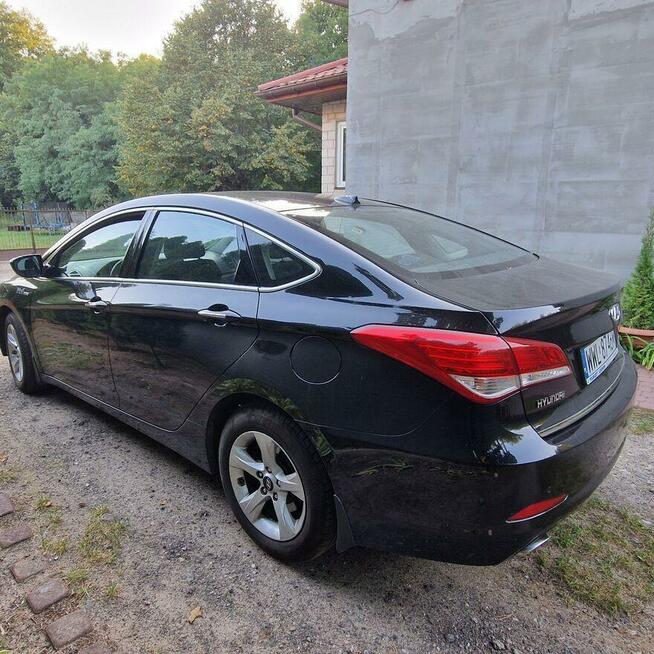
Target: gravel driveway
point(184, 549)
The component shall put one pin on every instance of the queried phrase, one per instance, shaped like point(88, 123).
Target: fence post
point(32, 234)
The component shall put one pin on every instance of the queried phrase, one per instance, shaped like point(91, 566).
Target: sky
point(127, 26)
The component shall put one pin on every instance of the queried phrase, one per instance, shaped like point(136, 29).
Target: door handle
point(97, 306)
point(219, 316)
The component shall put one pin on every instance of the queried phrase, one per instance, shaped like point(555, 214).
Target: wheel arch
point(4, 312)
point(230, 403)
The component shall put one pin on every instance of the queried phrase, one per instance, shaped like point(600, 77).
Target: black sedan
point(354, 372)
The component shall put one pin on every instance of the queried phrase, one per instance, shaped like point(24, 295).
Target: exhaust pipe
point(535, 544)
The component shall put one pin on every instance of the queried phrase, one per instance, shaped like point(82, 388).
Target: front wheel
point(276, 484)
point(19, 352)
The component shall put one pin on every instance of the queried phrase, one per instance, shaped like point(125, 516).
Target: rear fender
point(223, 399)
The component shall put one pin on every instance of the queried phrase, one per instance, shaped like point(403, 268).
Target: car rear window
point(412, 243)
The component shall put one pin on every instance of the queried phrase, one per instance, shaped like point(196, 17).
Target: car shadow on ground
point(347, 569)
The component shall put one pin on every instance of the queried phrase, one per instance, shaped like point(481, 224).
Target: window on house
point(341, 147)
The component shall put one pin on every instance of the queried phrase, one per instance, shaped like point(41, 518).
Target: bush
point(638, 297)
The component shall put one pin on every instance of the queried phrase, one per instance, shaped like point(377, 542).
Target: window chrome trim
point(74, 233)
point(317, 269)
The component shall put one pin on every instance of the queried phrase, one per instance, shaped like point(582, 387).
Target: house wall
point(533, 120)
point(332, 113)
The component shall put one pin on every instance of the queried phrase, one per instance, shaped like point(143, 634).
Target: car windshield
point(413, 243)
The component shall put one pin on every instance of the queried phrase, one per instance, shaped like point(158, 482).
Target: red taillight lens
point(538, 361)
point(482, 367)
point(537, 508)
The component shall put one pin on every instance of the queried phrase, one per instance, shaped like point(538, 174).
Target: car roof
point(280, 201)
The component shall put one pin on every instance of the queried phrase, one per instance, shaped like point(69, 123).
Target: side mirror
point(29, 265)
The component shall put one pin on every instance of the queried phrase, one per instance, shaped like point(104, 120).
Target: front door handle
point(97, 306)
point(219, 316)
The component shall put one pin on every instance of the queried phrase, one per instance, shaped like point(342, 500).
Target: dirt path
point(184, 549)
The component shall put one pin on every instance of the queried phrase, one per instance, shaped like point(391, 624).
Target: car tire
point(21, 361)
point(287, 527)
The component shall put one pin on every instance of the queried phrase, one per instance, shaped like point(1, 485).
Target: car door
point(68, 308)
point(186, 316)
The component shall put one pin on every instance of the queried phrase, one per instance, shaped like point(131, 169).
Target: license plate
point(597, 357)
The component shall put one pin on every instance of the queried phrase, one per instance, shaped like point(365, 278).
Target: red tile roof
point(329, 74)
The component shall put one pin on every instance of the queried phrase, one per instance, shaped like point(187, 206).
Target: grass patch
point(54, 546)
point(77, 576)
point(102, 540)
point(78, 580)
point(8, 474)
point(603, 556)
point(112, 590)
point(43, 503)
point(49, 510)
point(642, 422)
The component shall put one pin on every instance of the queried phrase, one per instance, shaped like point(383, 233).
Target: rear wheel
point(21, 362)
point(276, 484)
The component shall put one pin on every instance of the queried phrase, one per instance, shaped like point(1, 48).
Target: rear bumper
point(456, 512)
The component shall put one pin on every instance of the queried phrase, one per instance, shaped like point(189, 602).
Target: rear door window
point(190, 247)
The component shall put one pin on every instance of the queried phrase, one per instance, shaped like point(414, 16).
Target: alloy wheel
point(267, 486)
point(15, 354)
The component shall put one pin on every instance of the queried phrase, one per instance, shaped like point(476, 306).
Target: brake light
point(537, 509)
point(482, 367)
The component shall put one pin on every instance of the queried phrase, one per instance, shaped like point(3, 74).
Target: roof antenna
point(352, 200)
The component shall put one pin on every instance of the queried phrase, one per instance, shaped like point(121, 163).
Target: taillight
point(481, 367)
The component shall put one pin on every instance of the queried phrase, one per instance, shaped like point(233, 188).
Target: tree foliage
point(322, 32)
point(638, 297)
point(203, 128)
point(56, 113)
point(21, 37)
point(82, 128)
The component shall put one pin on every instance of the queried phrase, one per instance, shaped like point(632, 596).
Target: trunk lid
point(558, 303)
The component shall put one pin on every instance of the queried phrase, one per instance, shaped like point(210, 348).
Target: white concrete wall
point(533, 120)
point(332, 114)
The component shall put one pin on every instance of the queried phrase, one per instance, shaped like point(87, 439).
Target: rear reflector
point(537, 508)
point(482, 367)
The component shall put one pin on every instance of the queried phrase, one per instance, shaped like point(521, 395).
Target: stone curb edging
point(66, 629)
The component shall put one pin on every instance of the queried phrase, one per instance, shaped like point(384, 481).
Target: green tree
point(638, 297)
point(322, 32)
point(192, 122)
point(56, 113)
point(21, 37)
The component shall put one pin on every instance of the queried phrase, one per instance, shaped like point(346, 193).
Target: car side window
point(191, 247)
point(99, 253)
point(274, 265)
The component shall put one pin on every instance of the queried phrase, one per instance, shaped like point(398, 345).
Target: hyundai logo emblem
point(615, 312)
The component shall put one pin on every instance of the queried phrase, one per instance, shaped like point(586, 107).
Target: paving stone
point(26, 568)
point(13, 535)
point(6, 506)
point(69, 628)
point(45, 596)
point(96, 649)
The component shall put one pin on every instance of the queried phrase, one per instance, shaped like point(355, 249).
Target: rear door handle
point(221, 317)
point(97, 306)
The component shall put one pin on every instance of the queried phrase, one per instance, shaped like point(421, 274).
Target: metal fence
point(36, 229)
